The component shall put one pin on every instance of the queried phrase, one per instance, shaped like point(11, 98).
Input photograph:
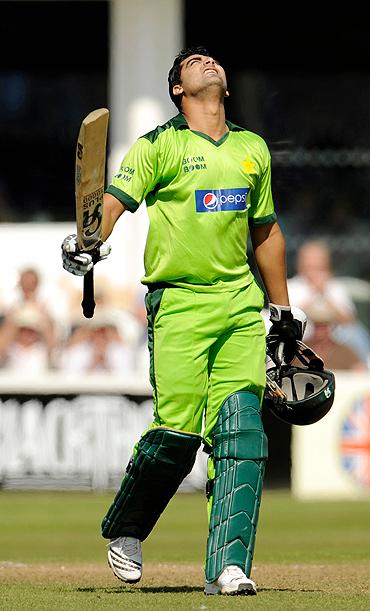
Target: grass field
point(308, 556)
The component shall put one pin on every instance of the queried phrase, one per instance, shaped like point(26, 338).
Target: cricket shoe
point(231, 581)
point(124, 558)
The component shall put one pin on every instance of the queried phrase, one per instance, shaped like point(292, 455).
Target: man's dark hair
point(174, 75)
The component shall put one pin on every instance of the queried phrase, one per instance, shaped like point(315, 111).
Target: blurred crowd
point(34, 339)
point(334, 329)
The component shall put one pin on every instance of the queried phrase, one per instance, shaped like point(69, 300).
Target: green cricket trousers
point(204, 346)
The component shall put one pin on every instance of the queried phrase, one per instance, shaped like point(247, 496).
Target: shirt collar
point(179, 122)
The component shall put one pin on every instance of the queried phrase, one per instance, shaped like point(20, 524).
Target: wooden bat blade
point(89, 191)
point(90, 178)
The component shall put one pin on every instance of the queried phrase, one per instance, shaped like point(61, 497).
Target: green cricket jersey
point(200, 195)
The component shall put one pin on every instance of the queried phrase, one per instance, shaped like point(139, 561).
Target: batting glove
point(287, 327)
point(77, 262)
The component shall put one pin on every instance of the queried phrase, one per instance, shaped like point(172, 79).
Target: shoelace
point(130, 549)
point(234, 572)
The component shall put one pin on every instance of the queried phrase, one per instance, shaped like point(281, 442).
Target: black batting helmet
point(299, 394)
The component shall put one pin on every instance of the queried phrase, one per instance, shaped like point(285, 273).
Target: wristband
point(280, 312)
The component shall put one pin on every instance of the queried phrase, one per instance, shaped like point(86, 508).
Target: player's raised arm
point(79, 263)
point(112, 210)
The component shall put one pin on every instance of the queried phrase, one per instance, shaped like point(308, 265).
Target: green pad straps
point(240, 452)
point(164, 457)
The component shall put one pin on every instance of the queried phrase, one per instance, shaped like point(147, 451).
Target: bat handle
point(88, 300)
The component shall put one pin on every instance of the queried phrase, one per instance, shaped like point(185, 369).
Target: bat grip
point(88, 300)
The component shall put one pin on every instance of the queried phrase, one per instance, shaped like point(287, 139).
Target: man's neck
point(207, 117)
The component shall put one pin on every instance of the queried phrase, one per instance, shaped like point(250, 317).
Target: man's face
point(314, 265)
point(199, 72)
point(28, 282)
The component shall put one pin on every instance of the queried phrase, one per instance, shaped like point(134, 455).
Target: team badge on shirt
point(221, 200)
point(249, 166)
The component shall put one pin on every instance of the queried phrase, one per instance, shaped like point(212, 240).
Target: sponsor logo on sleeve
point(126, 173)
point(221, 200)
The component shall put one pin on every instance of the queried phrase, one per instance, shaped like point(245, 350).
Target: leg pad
point(163, 458)
point(240, 452)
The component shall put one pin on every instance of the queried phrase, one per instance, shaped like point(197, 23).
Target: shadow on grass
point(145, 590)
point(287, 590)
point(175, 590)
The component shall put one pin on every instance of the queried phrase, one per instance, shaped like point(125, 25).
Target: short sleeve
point(137, 175)
point(262, 206)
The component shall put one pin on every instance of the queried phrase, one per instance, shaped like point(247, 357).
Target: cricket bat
point(89, 191)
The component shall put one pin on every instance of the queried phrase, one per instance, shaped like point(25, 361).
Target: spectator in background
point(28, 289)
point(28, 293)
point(29, 282)
point(336, 355)
point(111, 308)
point(120, 315)
point(26, 346)
point(315, 286)
point(97, 346)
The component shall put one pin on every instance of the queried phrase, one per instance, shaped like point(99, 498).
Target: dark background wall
point(53, 71)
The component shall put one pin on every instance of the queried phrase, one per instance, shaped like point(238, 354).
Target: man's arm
point(112, 210)
point(269, 250)
point(79, 263)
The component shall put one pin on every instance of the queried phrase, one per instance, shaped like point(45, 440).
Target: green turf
point(327, 532)
point(63, 528)
point(173, 599)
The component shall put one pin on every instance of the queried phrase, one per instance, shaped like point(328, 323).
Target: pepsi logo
point(210, 201)
point(221, 200)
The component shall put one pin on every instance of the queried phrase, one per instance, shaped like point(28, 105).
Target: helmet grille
point(302, 385)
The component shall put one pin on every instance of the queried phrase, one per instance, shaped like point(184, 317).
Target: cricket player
point(206, 183)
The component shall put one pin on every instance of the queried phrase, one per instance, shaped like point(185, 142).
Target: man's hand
point(77, 262)
point(287, 327)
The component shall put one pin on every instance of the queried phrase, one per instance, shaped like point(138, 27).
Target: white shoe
point(231, 581)
point(124, 558)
